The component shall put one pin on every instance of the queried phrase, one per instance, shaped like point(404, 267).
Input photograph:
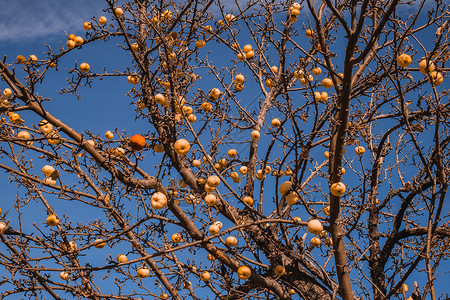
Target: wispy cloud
point(30, 20)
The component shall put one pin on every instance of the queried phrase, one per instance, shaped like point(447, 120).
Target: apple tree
point(284, 150)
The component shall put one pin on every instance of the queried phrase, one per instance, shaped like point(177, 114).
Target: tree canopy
point(275, 150)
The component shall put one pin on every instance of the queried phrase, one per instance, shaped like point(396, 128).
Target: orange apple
point(70, 44)
point(337, 189)
point(248, 48)
point(329, 241)
point(436, 78)
point(309, 33)
point(137, 142)
point(133, 79)
point(219, 224)
point(25, 135)
point(279, 270)
point(326, 211)
point(78, 40)
point(109, 135)
point(196, 163)
point(164, 296)
point(232, 153)
point(250, 54)
point(315, 226)
point(239, 78)
point(244, 272)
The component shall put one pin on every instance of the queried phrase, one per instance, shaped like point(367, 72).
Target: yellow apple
point(143, 272)
point(205, 276)
point(209, 189)
point(292, 197)
point(78, 40)
point(297, 219)
point(121, 258)
point(2, 227)
point(404, 60)
point(64, 276)
point(158, 200)
point(337, 189)
point(327, 83)
point(250, 54)
point(87, 25)
point(317, 71)
point(260, 175)
point(70, 44)
point(326, 211)
point(423, 66)
point(213, 180)
point(436, 78)
point(244, 272)
point(102, 20)
point(359, 150)
point(231, 241)
point(84, 67)
point(177, 238)
point(109, 135)
point(248, 200)
point(309, 33)
point(182, 147)
point(25, 135)
point(219, 224)
point(160, 99)
point(285, 187)
point(48, 170)
point(206, 106)
point(255, 135)
point(239, 78)
point(315, 226)
point(7, 92)
point(21, 59)
point(210, 199)
point(99, 243)
point(276, 122)
point(315, 242)
point(52, 220)
point(164, 296)
point(45, 126)
point(232, 153)
point(323, 97)
point(248, 48)
point(118, 11)
point(327, 154)
point(32, 58)
point(213, 229)
point(243, 170)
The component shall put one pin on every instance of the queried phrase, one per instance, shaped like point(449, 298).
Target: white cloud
point(30, 20)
